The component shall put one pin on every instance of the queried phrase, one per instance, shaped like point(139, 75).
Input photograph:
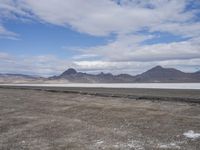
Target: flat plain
point(95, 119)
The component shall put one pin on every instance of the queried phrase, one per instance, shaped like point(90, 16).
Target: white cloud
point(183, 29)
point(104, 17)
point(7, 8)
point(134, 67)
point(48, 65)
point(44, 65)
point(4, 33)
point(129, 49)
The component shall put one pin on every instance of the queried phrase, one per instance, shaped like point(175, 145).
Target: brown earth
point(50, 120)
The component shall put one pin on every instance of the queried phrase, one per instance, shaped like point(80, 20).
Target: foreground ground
point(31, 119)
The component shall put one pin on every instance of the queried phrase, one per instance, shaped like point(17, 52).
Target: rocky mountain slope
point(156, 74)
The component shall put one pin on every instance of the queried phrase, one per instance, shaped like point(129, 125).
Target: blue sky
point(39, 39)
point(122, 36)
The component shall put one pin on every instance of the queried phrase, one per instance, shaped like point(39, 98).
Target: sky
point(47, 37)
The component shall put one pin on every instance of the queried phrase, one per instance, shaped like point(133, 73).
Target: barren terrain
point(51, 120)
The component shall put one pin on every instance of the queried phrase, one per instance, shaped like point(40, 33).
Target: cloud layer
point(131, 22)
point(103, 17)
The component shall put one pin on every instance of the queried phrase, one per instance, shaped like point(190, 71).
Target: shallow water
point(120, 85)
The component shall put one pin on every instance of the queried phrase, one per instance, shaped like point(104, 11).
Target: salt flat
point(119, 85)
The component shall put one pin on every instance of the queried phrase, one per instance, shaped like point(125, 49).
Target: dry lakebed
point(45, 118)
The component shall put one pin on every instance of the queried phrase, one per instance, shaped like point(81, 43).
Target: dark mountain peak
point(124, 75)
point(157, 68)
point(102, 73)
point(162, 69)
point(105, 74)
point(197, 71)
point(160, 74)
point(70, 71)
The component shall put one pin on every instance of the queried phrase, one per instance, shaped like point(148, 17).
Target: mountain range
point(157, 74)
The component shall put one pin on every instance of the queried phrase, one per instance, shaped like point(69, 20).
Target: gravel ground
point(34, 120)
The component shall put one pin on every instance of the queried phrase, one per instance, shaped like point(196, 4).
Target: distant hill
point(160, 74)
point(70, 71)
point(72, 75)
point(156, 74)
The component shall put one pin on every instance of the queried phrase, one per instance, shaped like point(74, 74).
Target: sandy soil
point(34, 120)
